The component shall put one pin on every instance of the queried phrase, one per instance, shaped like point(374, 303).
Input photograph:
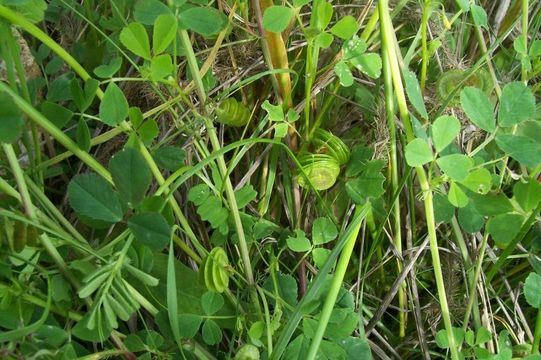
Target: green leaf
point(483, 336)
point(276, 18)
point(470, 219)
point(212, 210)
point(323, 40)
point(147, 11)
point(323, 231)
point(528, 194)
point(131, 175)
point(148, 131)
point(299, 243)
point(418, 153)
point(456, 166)
point(165, 29)
point(11, 119)
point(368, 185)
point(478, 181)
point(532, 290)
point(324, 15)
point(150, 229)
point(169, 157)
point(521, 148)
point(504, 227)
point(190, 325)
point(212, 334)
point(345, 28)
point(114, 106)
point(464, 5)
point(517, 104)
point(276, 113)
point(344, 74)
point(414, 93)
point(443, 209)
point(456, 196)
point(90, 195)
point(198, 194)
point(57, 114)
point(443, 341)
point(280, 130)
point(203, 20)
point(520, 46)
point(478, 108)
point(107, 70)
point(444, 130)
point(320, 255)
point(245, 195)
point(135, 38)
point(492, 204)
point(211, 302)
point(83, 98)
point(161, 66)
point(479, 16)
point(82, 135)
point(369, 64)
point(535, 49)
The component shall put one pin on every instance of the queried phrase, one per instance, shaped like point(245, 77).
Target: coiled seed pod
point(451, 79)
point(247, 352)
point(213, 271)
point(321, 169)
point(232, 113)
point(327, 143)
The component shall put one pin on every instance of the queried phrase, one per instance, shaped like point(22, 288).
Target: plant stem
point(424, 46)
point(388, 41)
point(336, 284)
point(473, 285)
point(393, 165)
point(230, 193)
point(537, 333)
point(525, 8)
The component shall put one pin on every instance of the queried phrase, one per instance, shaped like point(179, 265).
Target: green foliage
point(276, 18)
point(114, 106)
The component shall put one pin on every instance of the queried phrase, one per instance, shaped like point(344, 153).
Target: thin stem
point(424, 42)
point(473, 285)
point(525, 8)
point(336, 284)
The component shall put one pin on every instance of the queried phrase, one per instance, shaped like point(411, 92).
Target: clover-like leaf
point(277, 17)
point(299, 242)
point(323, 231)
point(504, 227)
point(456, 196)
point(135, 38)
point(527, 194)
point(211, 302)
point(90, 195)
point(114, 106)
point(418, 153)
point(532, 290)
point(517, 104)
point(478, 108)
point(456, 166)
point(150, 229)
point(345, 28)
point(444, 130)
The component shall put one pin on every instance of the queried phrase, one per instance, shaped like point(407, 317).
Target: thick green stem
point(336, 284)
point(388, 41)
point(537, 333)
point(393, 165)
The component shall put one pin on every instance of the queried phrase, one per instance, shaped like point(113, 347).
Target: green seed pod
point(232, 113)
point(321, 169)
point(247, 352)
point(327, 143)
point(451, 79)
point(213, 270)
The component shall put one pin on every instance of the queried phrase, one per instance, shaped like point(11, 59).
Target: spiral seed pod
point(321, 169)
point(232, 113)
point(213, 271)
point(451, 79)
point(327, 143)
point(247, 352)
